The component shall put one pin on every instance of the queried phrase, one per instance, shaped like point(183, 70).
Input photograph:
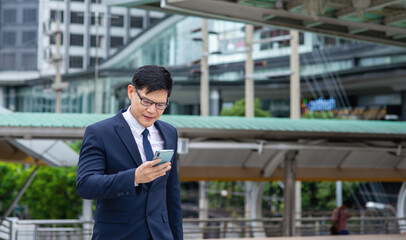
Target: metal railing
point(15, 229)
point(6, 227)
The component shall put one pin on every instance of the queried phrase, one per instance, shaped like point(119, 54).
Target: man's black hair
point(347, 203)
point(152, 78)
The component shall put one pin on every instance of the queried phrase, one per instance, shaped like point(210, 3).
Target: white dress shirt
point(154, 137)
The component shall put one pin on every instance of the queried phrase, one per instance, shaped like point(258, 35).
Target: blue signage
point(322, 104)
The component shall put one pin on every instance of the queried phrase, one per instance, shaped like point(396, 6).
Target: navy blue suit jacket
point(107, 163)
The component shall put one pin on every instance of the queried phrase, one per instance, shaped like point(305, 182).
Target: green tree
point(51, 195)
point(319, 115)
point(238, 109)
point(9, 177)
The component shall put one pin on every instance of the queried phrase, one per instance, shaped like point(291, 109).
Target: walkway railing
point(15, 229)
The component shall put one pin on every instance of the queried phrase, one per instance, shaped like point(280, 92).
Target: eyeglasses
point(147, 103)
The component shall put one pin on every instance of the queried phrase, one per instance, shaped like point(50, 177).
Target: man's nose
point(151, 108)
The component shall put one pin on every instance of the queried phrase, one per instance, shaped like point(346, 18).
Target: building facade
point(89, 30)
point(356, 75)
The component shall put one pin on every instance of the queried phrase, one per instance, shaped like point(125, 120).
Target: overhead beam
point(293, 5)
point(211, 173)
point(394, 19)
point(287, 146)
point(374, 5)
point(254, 15)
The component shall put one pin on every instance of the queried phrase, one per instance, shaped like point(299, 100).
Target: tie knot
point(145, 133)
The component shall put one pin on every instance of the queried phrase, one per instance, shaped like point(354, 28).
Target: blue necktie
point(147, 145)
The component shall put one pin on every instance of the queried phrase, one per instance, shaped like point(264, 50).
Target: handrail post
point(11, 229)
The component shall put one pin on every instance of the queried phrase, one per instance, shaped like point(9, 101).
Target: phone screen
point(165, 155)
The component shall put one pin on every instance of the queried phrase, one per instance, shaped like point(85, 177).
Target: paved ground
point(350, 237)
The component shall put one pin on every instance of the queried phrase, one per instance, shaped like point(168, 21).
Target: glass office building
point(355, 74)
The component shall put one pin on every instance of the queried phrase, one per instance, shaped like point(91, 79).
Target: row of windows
point(8, 61)
point(9, 39)
point(284, 42)
point(77, 61)
point(76, 17)
point(115, 19)
point(9, 16)
point(77, 40)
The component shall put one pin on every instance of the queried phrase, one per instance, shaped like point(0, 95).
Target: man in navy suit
point(135, 199)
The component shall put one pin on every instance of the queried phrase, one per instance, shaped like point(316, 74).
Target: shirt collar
point(134, 124)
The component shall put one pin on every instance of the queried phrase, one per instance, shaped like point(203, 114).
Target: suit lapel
point(124, 131)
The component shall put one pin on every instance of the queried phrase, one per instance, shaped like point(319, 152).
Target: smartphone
point(165, 155)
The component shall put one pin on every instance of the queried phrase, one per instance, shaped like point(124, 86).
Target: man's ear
point(130, 91)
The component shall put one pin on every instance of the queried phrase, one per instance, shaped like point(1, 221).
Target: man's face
point(146, 116)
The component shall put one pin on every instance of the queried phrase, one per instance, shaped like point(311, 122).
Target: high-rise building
point(28, 29)
point(82, 22)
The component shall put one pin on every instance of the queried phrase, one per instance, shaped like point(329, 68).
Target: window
point(76, 40)
point(153, 20)
point(10, 15)
point(97, 1)
point(116, 41)
point(75, 62)
point(56, 14)
point(93, 19)
point(117, 21)
point(93, 61)
point(9, 38)
point(77, 0)
point(76, 17)
point(29, 38)
point(136, 22)
point(30, 15)
point(52, 39)
point(283, 35)
point(8, 61)
point(29, 61)
point(93, 40)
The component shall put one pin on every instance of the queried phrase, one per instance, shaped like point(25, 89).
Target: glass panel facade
point(171, 46)
point(29, 38)
point(30, 16)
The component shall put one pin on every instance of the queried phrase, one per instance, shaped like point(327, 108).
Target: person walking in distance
point(340, 217)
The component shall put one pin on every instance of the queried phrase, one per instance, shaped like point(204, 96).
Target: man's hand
point(148, 173)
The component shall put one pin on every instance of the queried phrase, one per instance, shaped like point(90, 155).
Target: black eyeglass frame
point(150, 102)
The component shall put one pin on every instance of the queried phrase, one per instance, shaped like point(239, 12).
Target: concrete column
point(87, 215)
point(106, 29)
point(203, 206)
point(295, 76)
point(204, 69)
point(295, 106)
point(339, 193)
point(66, 37)
point(249, 70)
point(127, 20)
point(257, 193)
point(86, 34)
point(3, 97)
point(248, 207)
point(145, 20)
point(289, 193)
point(214, 102)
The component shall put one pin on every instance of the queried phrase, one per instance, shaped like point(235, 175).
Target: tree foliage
point(238, 109)
point(51, 195)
